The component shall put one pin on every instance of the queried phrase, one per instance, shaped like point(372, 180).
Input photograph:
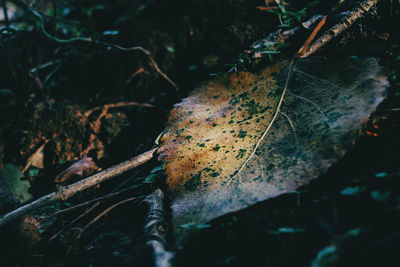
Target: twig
point(118, 105)
point(139, 71)
point(66, 192)
point(280, 37)
point(86, 212)
point(344, 23)
point(310, 38)
point(50, 75)
point(104, 213)
point(97, 218)
point(45, 65)
point(156, 229)
point(86, 203)
point(38, 16)
point(146, 52)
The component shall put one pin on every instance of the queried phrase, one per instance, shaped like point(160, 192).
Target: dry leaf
point(228, 146)
point(82, 168)
point(36, 159)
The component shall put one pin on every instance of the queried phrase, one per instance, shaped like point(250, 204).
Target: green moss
point(234, 101)
point(241, 153)
point(252, 107)
point(214, 174)
point(194, 182)
point(242, 134)
point(179, 132)
point(244, 96)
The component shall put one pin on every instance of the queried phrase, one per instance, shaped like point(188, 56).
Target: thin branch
point(104, 213)
point(51, 74)
point(156, 229)
point(139, 71)
point(97, 218)
point(86, 203)
point(86, 212)
point(280, 37)
point(38, 16)
point(45, 65)
point(146, 52)
point(310, 38)
point(118, 105)
point(68, 191)
point(344, 24)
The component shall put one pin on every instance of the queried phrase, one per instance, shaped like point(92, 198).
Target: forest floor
point(50, 91)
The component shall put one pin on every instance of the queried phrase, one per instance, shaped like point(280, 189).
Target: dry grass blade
point(310, 38)
point(344, 24)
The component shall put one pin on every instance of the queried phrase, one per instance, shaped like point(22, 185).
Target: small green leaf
point(156, 169)
point(203, 226)
point(354, 232)
point(170, 49)
point(33, 172)
point(349, 191)
point(381, 175)
point(188, 225)
point(110, 32)
point(151, 179)
point(380, 196)
point(287, 230)
point(12, 176)
point(7, 92)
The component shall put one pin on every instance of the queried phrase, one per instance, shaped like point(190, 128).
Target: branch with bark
point(156, 229)
point(343, 25)
point(66, 192)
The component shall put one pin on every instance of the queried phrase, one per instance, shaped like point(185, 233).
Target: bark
point(66, 192)
point(156, 229)
point(343, 25)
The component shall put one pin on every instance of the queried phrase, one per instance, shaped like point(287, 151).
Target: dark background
point(349, 216)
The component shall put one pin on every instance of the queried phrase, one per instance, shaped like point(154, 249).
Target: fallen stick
point(65, 192)
point(344, 24)
point(281, 36)
point(156, 229)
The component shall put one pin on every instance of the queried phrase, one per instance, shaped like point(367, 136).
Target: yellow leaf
point(243, 138)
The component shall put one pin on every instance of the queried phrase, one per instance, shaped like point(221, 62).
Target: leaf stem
point(270, 124)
